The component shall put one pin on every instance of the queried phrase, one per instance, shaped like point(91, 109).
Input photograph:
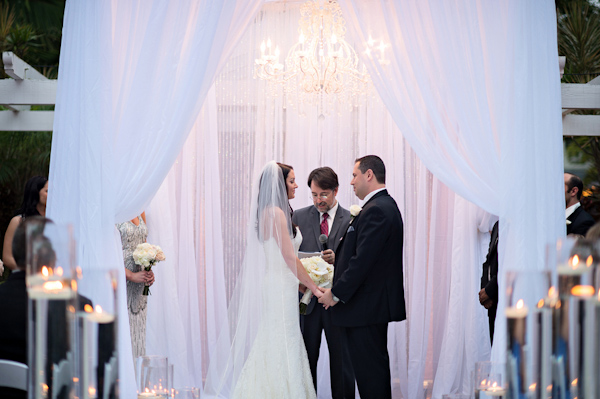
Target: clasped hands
point(324, 296)
point(485, 300)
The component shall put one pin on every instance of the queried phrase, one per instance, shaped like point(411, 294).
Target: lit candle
point(519, 311)
point(99, 316)
point(495, 390)
point(148, 395)
point(51, 290)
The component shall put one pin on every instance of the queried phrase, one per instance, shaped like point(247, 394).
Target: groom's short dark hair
point(374, 163)
point(324, 177)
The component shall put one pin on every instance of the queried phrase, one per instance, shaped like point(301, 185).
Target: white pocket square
point(351, 228)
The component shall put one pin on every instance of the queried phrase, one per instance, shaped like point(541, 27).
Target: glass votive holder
point(575, 260)
point(488, 380)
point(186, 393)
point(51, 288)
point(151, 373)
point(97, 352)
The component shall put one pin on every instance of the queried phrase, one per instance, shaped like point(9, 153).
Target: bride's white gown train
point(277, 366)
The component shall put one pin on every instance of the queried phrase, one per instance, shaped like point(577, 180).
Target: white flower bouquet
point(321, 274)
point(147, 255)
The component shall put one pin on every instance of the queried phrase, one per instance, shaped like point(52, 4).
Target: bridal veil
point(269, 224)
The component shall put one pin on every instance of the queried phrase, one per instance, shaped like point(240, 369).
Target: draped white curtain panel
point(469, 103)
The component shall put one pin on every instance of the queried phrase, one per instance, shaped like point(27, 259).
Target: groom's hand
point(327, 298)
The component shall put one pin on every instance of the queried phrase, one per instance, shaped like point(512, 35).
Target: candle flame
point(74, 285)
point(583, 290)
point(88, 308)
point(540, 303)
point(589, 261)
point(494, 385)
point(575, 261)
point(45, 388)
point(574, 383)
point(532, 387)
point(92, 391)
point(75, 379)
point(520, 304)
point(53, 285)
point(552, 292)
point(269, 43)
point(59, 271)
point(302, 38)
point(98, 309)
point(45, 271)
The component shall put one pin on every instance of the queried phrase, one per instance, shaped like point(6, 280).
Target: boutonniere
point(354, 211)
point(568, 222)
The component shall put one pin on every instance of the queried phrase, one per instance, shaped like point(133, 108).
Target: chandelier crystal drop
point(322, 65)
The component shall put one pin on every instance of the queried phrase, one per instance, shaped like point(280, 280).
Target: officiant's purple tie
point(325, 225)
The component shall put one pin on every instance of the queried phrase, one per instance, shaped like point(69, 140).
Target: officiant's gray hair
point(374, 163)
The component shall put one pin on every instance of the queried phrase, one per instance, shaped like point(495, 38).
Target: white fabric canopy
point(472, 87)
point(133, 78)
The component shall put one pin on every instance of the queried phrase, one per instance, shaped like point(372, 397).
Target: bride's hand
point(317, 292)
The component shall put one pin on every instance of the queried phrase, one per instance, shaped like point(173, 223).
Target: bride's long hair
point(270, 220)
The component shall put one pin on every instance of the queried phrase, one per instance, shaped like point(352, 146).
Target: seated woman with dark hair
point(34, 204)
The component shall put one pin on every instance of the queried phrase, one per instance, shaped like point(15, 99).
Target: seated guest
point(13, 308)
point(578, 220)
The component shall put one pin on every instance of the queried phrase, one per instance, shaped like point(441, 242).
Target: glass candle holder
point(526, 292)
point(488, 380)
point(186, 393)
point(575, 319)
point(152, 377)
point(51, 289)
point(97, 354)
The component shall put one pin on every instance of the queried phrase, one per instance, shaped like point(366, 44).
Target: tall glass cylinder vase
point(51, 288)
point(526, 291)
point(151, 373)
point(574, 321)
point(97, 355)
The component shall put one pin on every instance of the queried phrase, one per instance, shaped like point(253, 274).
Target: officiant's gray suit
point(317, 318)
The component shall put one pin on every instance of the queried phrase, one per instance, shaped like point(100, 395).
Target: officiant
point(324, 217)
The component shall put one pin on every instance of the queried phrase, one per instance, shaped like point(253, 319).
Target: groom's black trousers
point(368, 350)
point(340, 366)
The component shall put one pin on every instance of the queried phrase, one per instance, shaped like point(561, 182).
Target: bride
point(260, 352)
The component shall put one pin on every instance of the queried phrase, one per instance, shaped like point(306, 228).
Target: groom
point(368, 289)
point(326, 216)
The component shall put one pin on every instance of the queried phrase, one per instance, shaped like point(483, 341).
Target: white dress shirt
point(371, 194)
point(569, 211)
point(330, 217)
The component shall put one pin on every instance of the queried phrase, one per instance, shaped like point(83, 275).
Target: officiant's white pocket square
point(351, 228)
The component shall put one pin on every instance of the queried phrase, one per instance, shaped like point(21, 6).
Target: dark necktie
point(325, 225)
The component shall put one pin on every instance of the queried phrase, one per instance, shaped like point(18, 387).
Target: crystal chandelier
point(321, 62)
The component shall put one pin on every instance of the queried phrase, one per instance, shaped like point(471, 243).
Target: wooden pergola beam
point(26, 121)
point(581, 125)
point(580, 96)
point(18, 69)
point(27, 92)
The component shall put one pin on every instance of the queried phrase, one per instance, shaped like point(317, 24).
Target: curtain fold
point(473, 87)
point(133, 77)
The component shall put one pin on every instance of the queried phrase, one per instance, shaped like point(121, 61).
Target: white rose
point(355, 210)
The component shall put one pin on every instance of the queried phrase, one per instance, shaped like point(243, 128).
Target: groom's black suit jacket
point(581, 221)
point(368, 276)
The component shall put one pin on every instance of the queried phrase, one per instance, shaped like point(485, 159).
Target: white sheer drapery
point(444, 245)
point(510, 96)
point(133, 78)
point(474, 89)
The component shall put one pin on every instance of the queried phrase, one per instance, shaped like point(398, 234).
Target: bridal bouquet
point(147, 255)
point(321, 274)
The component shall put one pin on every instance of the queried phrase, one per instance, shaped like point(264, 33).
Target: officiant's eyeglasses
point(323, 196)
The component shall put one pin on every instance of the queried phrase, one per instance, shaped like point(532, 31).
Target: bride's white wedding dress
point(277, 365)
